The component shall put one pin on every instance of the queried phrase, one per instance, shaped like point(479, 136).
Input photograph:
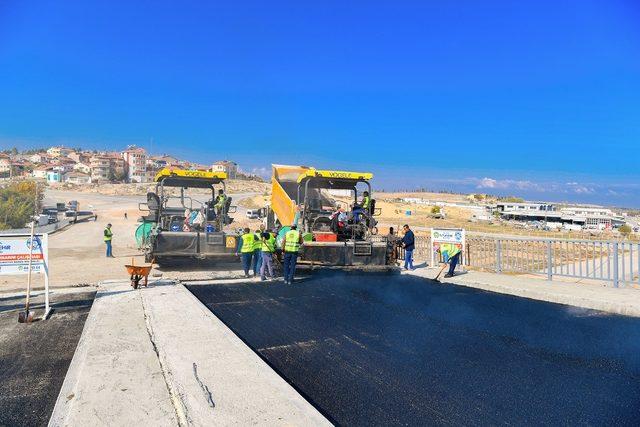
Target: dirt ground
point(77, 253)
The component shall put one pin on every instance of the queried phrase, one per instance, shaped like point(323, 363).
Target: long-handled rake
point(440, 272)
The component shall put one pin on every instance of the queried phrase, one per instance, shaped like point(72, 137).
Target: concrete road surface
point(401, 350)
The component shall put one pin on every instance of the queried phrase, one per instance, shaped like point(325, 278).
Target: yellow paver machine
point(335, 212)
point(187, 217)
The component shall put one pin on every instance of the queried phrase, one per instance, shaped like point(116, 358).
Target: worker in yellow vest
point(257, 252)
point(108, 237)
point(366, 201)
point(451, 254)
point(291, 246)
point(220, 202)
point(245, 247)
point(267, 247)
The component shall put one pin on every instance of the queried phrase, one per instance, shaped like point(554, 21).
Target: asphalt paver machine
point(326, 205)
point(183, 223)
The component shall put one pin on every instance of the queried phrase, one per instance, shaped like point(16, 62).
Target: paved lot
point(34, 358)
point(381, 349)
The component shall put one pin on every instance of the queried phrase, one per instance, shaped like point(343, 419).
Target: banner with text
point(14, 254)
point(439, 236)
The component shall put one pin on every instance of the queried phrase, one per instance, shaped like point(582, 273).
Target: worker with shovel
point(451, 254)
point(268, 247)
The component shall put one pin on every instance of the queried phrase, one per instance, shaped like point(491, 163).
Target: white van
point(253, 213)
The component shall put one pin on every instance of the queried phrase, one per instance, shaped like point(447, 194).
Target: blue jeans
point(453, 261)
point(246, 261)
point(408, 260)
point(257, 261)
point(290, 260)
point(109, 250)
point(267, 265)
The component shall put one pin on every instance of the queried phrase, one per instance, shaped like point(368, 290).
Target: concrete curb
point(114, 377)
point(217, 378)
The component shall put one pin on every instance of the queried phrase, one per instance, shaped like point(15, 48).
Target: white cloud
point(262, 172)
point(505, 184)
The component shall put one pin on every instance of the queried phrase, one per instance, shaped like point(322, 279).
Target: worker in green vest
point(366, 201)
point(108, 236)
point(451, 254)
point(245, 247)
point(291, 245)
point(221, 201)
point(257, 252)
point(267, 247)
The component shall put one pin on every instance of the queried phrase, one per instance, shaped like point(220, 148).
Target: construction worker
point(366, 201)
point(257, 252)
point(291, 245)
point(108, 236)
point(221, 201)
point(268, 247)
point(408, 243)
point(451, 254)
point(245, 247)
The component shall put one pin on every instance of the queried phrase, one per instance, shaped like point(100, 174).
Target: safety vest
point(247, 242)
point(292, 243)
point(107, 234)
point(269, 245)
point(257, 244)
point(366, 202)
point(450, 248)
point(222, 199)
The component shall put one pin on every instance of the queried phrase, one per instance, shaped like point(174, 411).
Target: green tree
point(625, 230)
point(513, 199)
point(17, 203)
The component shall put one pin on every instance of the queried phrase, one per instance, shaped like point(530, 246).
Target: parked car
point(253, 213)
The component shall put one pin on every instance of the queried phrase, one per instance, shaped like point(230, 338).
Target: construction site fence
point(614, 262)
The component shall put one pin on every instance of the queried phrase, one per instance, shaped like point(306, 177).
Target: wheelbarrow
point(138, 272)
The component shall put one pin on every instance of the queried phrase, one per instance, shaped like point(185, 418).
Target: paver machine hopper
point(327, 207)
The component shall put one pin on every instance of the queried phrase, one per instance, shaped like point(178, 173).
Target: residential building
point(135, 163)
point(59, 151)
point(54, 176)
point(80, 156)
point(83, 167)
point(77, 178)
point(100, 168)
point(159, 162)
point(231, 168)
point(40, 158)
point(5, 166)
point(40, 172)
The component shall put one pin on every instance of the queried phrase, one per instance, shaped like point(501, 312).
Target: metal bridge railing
point(610, 261)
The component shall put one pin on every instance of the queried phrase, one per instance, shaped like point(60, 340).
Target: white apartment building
point(135, 163)
point(59, 151)
point(231, 168)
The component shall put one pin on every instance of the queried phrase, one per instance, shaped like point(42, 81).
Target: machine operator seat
point(153, 203)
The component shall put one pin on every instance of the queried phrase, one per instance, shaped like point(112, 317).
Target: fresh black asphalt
point(382, 349)
point(34, 358)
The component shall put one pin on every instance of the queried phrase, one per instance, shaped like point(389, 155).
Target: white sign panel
point(455, 236)
point(14, 254)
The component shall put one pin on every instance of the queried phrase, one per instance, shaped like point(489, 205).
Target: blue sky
point(534, 98)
